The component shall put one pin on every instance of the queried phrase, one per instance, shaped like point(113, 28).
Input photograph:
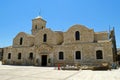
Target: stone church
point(44, 47)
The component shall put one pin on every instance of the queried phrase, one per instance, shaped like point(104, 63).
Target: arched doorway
point(44, 52)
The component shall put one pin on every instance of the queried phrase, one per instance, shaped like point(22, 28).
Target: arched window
point(45, 38)
point(42, 27)
point(19, 55)
point(77, 55)
point(21, 41)
point(77, 35)
point(61, 55)
point(31, 56)
point(99, 54)
point(9, 55)
point(35, 26)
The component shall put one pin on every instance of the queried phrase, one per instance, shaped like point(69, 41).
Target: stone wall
point(28, 40)
point(86, 35)
point(52, 37)
point(88, 53)
point(101, 36)
point(14, 55)
point(56, 42)
point(38, 24)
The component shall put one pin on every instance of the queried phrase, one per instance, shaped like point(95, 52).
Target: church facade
point(44, 47)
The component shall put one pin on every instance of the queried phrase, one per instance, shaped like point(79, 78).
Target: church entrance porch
point(43, 60)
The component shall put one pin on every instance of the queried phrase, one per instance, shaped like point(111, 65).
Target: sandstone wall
point(38, 24)
point(88, 53)
point(28, 40)
point(101, 36)
point(14, 55)
point(53, 38)
point(56, 42)
point(86, 35)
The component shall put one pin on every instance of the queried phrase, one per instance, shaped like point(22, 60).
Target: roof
point(101, 32)
point(29, 35)
point(38, 17)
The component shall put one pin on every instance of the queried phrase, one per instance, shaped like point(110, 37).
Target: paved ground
point(49, 73)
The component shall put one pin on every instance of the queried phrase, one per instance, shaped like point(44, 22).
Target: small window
point(19, 55)
point(21, 41)
point(35, 26)
point(77, 35)
point(78, 55)
point(45, 38)
point(118, 58)
point(99, 54)
point(9, 55)
point(42, 27)
point(61, 55)
point(31, 56)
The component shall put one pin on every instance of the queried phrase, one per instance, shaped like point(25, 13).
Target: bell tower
point(38, 24)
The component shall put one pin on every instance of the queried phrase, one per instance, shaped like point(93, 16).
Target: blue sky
point(16, 16)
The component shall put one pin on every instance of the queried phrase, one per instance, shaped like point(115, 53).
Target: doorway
point(44, 60)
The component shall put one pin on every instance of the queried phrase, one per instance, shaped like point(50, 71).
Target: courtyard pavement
point(8, 72)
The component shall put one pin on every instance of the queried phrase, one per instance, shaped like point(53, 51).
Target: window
point(31, 56)
point(61, 55)
point(45, 38)
point(9, 55)
point(78, 55)
point(99, 54)
point(19, 55)
point(77, 35)
point(21, 41)
point(35, 26)
point(42, 27)
point(118, 58)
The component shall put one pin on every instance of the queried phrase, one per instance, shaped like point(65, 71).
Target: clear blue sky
point(16, 16)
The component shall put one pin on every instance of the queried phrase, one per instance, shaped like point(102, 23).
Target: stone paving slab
point(8, 72)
